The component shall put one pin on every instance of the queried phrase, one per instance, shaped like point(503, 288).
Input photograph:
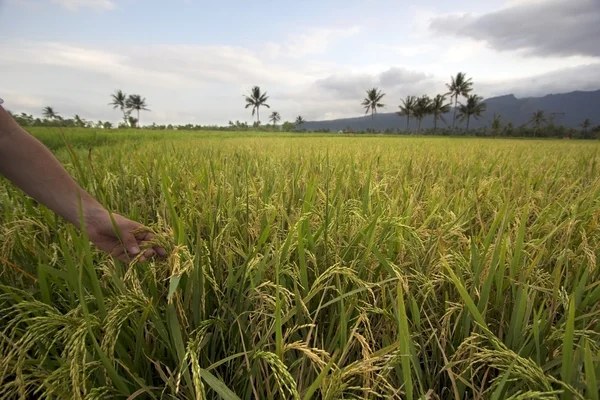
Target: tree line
point(460, 87)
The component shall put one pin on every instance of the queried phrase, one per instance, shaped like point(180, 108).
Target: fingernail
point(134, 250)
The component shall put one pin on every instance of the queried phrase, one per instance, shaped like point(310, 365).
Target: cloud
point(204, 84)
point(584, 77)
point(315, 41)
point(76, 5)
point(540, 28)
point(394, 80)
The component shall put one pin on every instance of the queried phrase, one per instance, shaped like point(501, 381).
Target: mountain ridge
point(567, 109)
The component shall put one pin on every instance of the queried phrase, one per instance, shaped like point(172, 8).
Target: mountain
point(568, 109)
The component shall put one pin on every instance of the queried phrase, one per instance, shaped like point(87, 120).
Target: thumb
point(131, 244)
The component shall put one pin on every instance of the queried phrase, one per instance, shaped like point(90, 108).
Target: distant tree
point(496, 124)
point(407, 108)
point(119, 100)
point(459, 86)
point(107, 125)
point(422, 109)
point(585, 125)
point(256, 99)
point(288, 126)
point(275, 118)
point(438, 108)
point(509, 129)
point(48, 112)
point(299, 122)
point(138, 103)
point(372, 102)
point(472, 108)
point(537, 119)
point(132, 121)
point(79, 122)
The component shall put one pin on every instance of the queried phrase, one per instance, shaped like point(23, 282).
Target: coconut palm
point(275, 118)
point(299, 122)
point(422, 109)
point(136, 102)
point(372, 102)
point(438, 107)
point(459, 86)
point(79, 122)
point(585, 125)
point(119, 100)
point(407, 108)
point(537, 119)
point(496, 124)
point(256, 99)
point(48, 112)
point(472, 108)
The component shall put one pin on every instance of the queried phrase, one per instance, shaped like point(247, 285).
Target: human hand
point(103, 234)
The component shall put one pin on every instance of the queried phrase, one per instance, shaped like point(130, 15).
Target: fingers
point(131, 244)
point(160, 251)
point(147, 236)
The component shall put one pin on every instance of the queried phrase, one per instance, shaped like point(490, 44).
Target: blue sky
point(193, 60)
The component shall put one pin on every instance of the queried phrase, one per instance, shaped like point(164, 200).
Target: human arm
point(28, 164)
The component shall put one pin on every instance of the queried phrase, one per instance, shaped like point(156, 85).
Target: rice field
point(310, 267)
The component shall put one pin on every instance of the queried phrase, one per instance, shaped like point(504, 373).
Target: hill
point(568, 109)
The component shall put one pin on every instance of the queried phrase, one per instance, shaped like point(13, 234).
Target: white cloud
point(76, 5)
point(316, 41)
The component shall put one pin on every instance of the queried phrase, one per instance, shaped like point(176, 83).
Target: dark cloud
point(546, 28)
point(584, 77)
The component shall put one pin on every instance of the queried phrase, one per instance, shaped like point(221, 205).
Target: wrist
point(93, 214)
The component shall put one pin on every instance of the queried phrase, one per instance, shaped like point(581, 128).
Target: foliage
point(275, 118)
point(119, 100)
point(299, 122)
point(459, 86)
point(256, 99)
point(474, 107)
point(48, 112)
point(496, 124)
point(407, 108)
point(585, 126)
point(537, 119)
point(373, 101)
point(332, 267)
point(137, 103)
point(422, 109)
point(438, 107)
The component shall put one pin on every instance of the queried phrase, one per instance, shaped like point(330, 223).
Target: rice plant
point(310, 267)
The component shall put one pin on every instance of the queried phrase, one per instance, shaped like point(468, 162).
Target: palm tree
point(299, 121)
point(459, 86)
point(496, 124)
point(537, 119)
point(79, 122)
point(256, 100)
point(422, 109)
point(275, 118)
point(407, 108)
point(132, 121)
point(119, 100)
point(439, 107)
point(136, 102)
point(48, 112)
point(585, 125)
point(372, 102)
point(473, 107)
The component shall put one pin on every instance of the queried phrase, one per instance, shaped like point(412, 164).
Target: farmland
point(310, 267)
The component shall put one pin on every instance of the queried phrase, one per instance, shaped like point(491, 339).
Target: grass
point(311, 267)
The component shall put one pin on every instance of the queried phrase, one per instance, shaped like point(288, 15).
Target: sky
point(194, 60)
